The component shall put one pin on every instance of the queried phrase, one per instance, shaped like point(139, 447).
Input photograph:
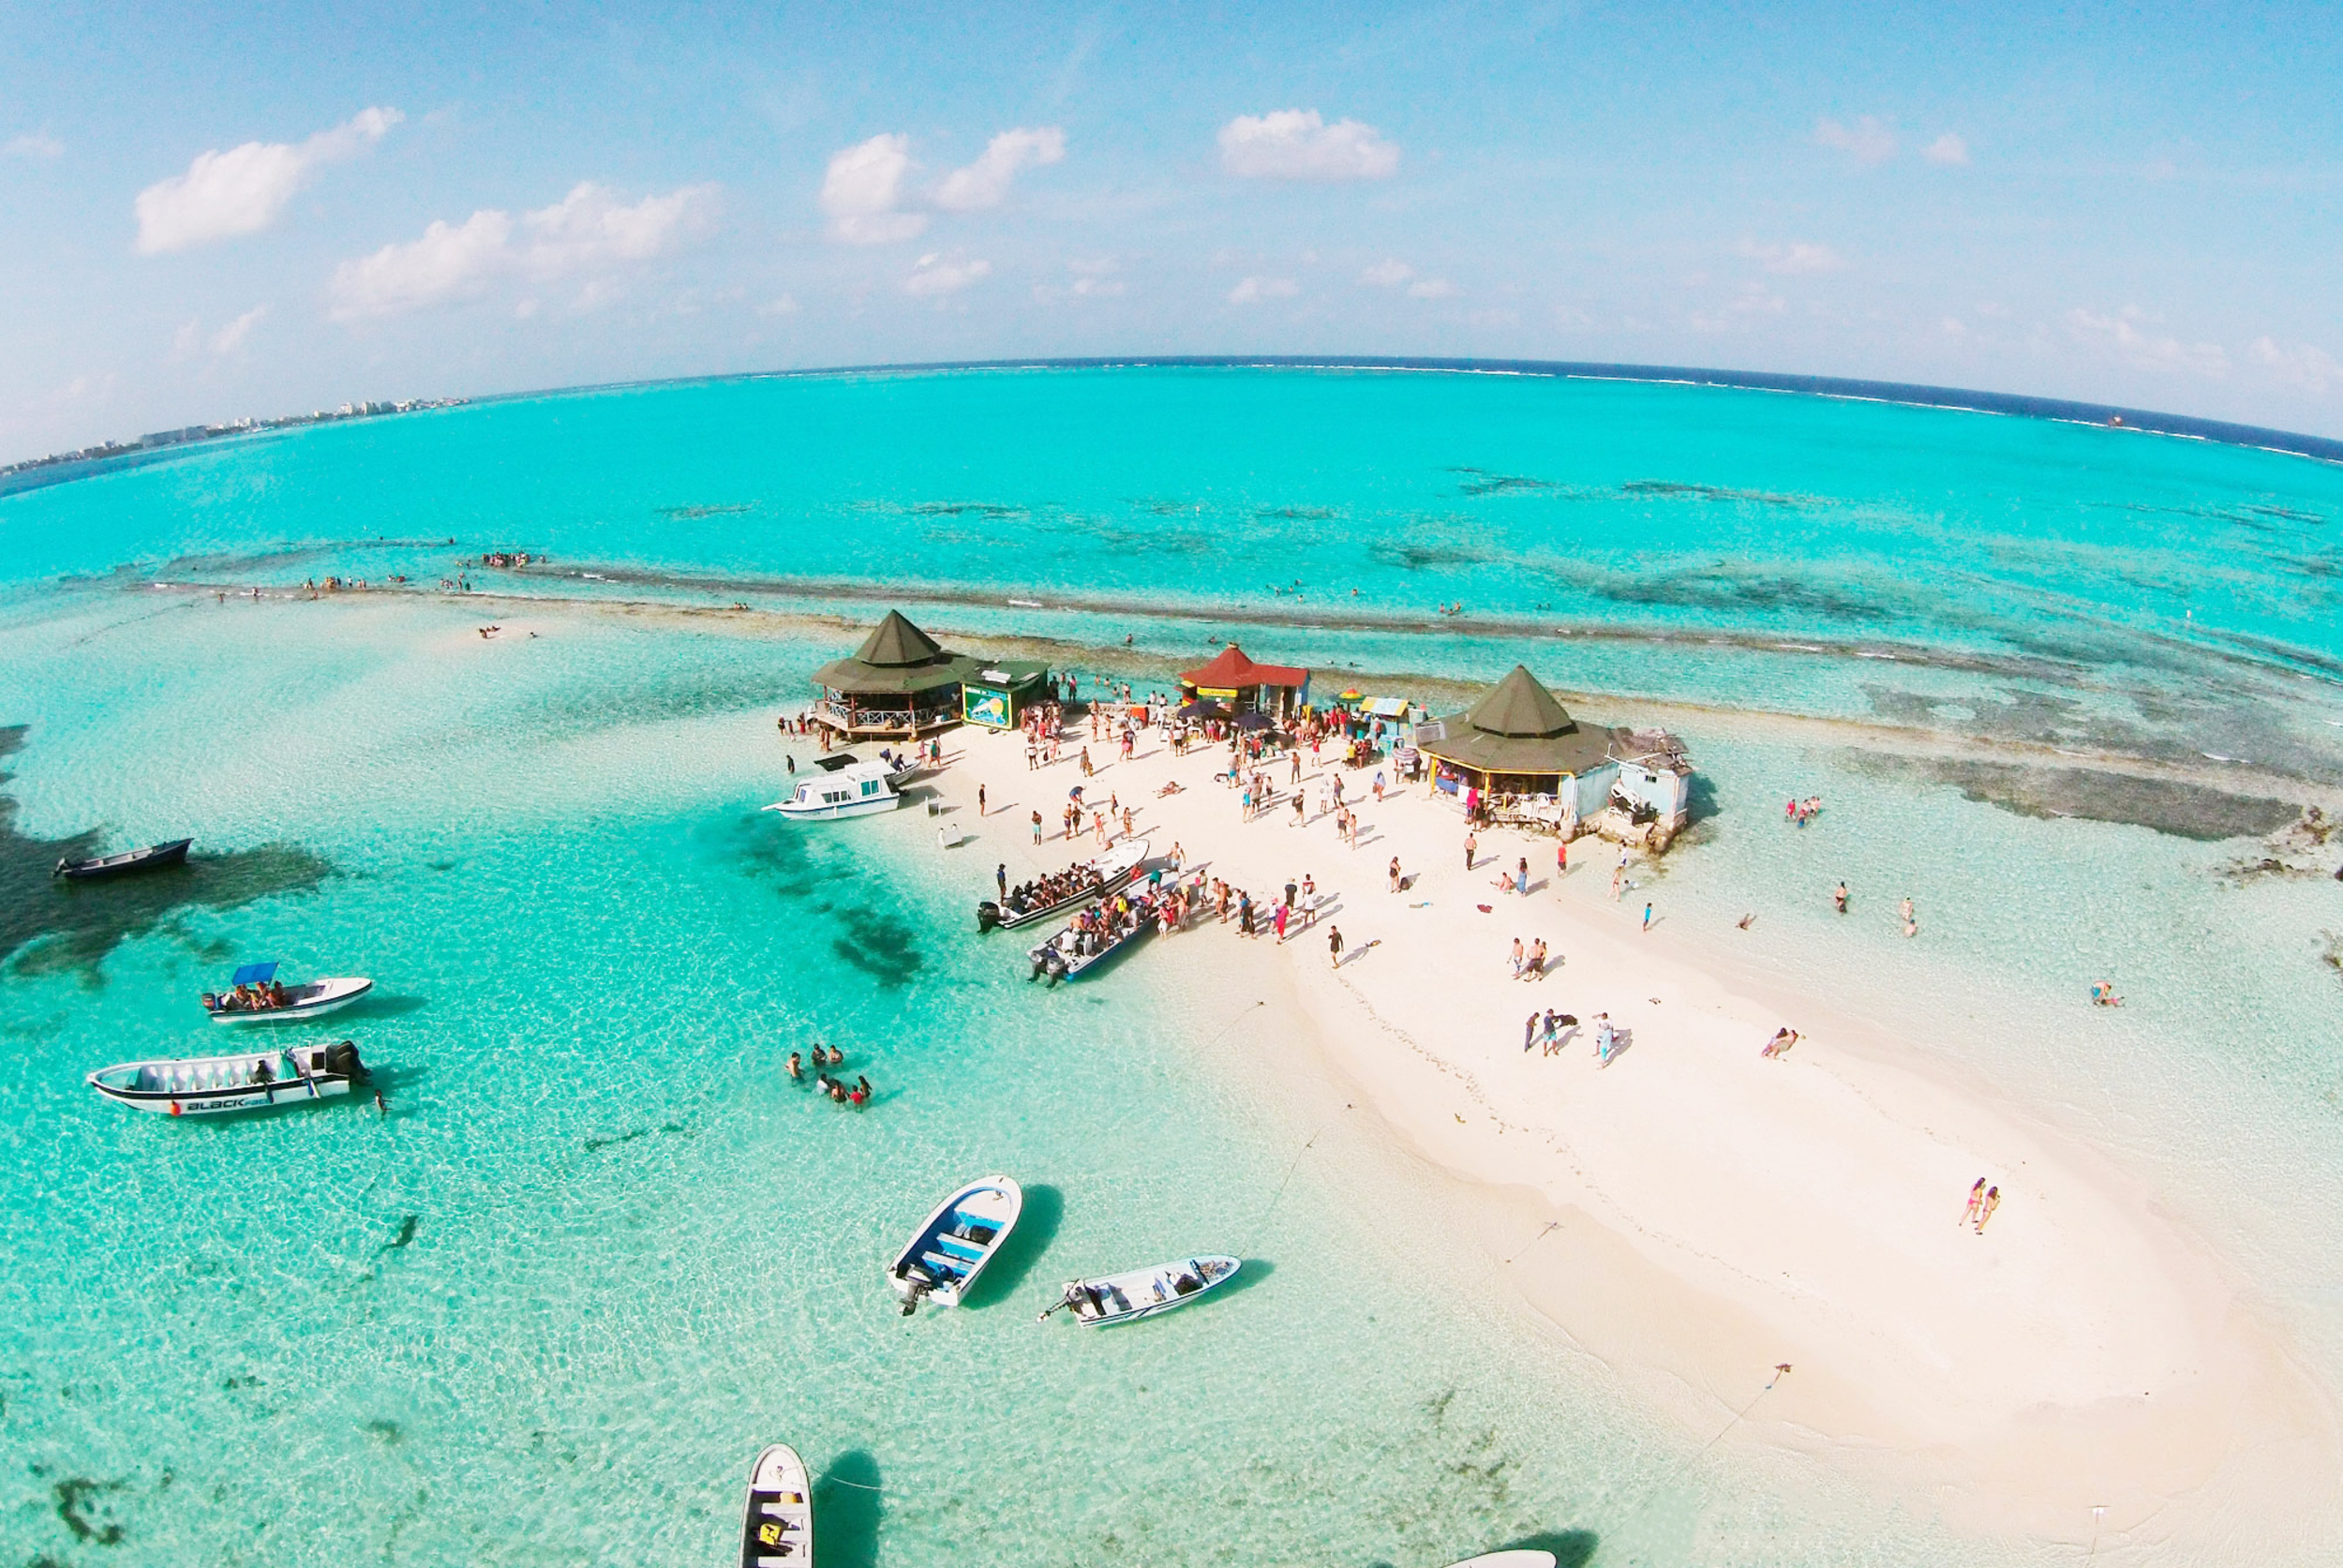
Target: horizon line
point(1860, 389)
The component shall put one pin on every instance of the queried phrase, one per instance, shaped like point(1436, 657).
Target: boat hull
point(946, 1255)
point(823, 812)
point(215, 1086)
point(777, 1530)
point(330, 996)
point(1125, 1298)
point(1126, 867)
point(107, 867)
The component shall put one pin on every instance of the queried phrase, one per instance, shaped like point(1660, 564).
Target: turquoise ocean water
point(602, 1250)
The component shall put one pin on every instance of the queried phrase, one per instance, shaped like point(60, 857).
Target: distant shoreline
point(39, 471)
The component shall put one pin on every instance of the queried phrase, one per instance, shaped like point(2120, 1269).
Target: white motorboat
point(258, 997)
point(857, 789)
point(1122, 1298)
point(1092, 937)
point(943, 1257)
point(1069, 889)
point(1519, 1556)
point(778, 1531)
point(247, 1080)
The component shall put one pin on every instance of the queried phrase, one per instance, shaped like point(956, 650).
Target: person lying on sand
point(1783, 1040)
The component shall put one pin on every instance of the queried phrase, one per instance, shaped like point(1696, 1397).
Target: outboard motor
point(342, 1057)
point(988, 916)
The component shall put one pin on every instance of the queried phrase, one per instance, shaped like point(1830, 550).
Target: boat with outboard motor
point(247, 1080)
point(1122, 1298)
point(1076, 884)
point(1093, 936)
point(260, 997)
point(1516, 1557)
point(104, 868)
point(849, 789)
point(944, 1256)
point(778, 1529)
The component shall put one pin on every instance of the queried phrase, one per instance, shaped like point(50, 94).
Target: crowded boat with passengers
point(1076, 884)
point(258, 996)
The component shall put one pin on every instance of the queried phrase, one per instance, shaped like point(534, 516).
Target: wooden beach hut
point(1237, 683)
point(900, 684)
point(1519, 754)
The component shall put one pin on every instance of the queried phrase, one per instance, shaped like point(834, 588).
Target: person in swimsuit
point(1976, 1201)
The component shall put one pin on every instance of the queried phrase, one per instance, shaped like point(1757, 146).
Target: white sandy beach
point(1714, 1214)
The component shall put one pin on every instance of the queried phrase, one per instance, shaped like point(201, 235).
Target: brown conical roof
point(897, 642)
point(1518, 706)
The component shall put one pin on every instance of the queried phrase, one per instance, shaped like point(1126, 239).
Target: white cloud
point(985, 183)
point(936, 275)
point(227, 339)
point(1948, 151)
point(1869, 140)
point(1432, 288)
point(1251, 290)
point(30, 144)
point(861, 188)
point(2124, 335)
point(1298, 144)
point(242, 190)
point(1796, 259)
point(2311, 369)
point(785, 306)
point(587, 230)
point(1387, 274)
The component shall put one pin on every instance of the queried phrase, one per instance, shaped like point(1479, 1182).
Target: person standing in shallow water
point(1839, 899)
point(1000, 878)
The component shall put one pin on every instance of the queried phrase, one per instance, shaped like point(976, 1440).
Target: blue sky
point(210, 211)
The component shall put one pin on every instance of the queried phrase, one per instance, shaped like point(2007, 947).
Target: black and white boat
point(1125, 1298)
point(941, 1262)
point(1070, 889)
point(247, 1080)
point(1093, 936)
point(778, 1531)
point(258, 996)
point(103, 868)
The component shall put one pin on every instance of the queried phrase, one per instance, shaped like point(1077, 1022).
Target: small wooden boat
point(1122, 1298)
point(154, 856)
point(1074, 886)
point(1520, 1557)
point(945, 1256)
point(779, 1529)
point(258, 998)
point(1092, 938)
point(856, 789)
point(248, 1080)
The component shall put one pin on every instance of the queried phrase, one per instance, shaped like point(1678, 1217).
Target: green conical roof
point(897, 642)
point(1518, 706)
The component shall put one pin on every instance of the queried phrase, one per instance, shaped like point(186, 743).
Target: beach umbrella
point(1253, 718)
point(1353, 694)
point(1200, 708)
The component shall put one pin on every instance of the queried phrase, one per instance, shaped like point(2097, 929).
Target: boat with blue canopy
point(941, 1262)
point(258, 996)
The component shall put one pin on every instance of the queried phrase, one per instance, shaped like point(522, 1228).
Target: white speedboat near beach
point(1520, 1557)
point(1122, 1298)
point(1069, 889)
point(258, 998)
point(247, 1080)
point(1092, 937)
point(778, 1529)
point(856, 789)
point(944, 1256)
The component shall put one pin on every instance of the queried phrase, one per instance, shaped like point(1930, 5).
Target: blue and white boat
point(778, 1529)
point(1125, 1298)
point(1093, 937)
point(943, 1257)
point(257, 996)
point(857, 789)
